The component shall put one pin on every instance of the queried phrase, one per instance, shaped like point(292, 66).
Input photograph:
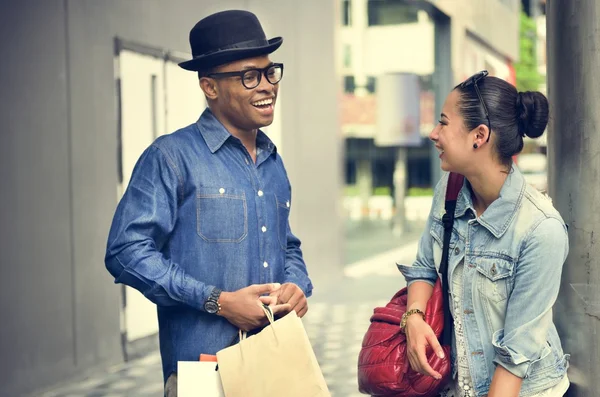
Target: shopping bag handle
point(268, 312)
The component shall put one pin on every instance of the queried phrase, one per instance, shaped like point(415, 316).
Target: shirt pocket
point(283, 213)
point(495, 275)
point(221, 214)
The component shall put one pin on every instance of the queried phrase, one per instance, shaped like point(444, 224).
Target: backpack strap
point(455, 184)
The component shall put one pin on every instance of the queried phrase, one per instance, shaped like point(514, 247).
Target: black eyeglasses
point(251, 77)
point(473, 81)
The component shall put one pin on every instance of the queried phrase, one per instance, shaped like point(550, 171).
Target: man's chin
point(264, 122)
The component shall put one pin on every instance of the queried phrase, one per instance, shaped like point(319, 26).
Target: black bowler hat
point(225, 37)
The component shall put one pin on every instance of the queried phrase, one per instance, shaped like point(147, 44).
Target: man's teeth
point(263, 103)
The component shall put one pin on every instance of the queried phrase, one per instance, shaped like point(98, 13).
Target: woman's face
point(451, 138)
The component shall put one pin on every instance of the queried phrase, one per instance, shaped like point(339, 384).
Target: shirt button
point(287, 204)
point(260, 193)
point(221, 190)
point(264, 229)
point(265, 265)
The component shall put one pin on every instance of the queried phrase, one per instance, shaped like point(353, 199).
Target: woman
point(507, 250)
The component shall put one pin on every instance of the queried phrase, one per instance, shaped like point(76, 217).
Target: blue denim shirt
point(198, 213)
point(513, 256)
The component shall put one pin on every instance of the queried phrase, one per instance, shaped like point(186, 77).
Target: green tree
point(528, 78)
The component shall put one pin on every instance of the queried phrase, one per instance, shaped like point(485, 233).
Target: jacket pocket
point(283, 214)
point(221, 214)
point(495, 276)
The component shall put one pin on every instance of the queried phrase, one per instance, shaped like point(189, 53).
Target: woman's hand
point(419, 336)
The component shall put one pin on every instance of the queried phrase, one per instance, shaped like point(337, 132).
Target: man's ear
point(209, 87)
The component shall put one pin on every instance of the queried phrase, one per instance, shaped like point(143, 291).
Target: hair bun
point(532, 113)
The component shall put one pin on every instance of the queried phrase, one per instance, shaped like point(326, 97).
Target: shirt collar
point(215, 134)
point(500, 214)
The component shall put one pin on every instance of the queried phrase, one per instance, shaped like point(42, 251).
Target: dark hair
point(512, 114)
point(203, 73)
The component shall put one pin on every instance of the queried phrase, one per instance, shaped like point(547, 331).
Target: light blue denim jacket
point(198, 214)
point(513, 257)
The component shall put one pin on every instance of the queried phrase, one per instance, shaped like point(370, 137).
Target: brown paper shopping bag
point(278, 361)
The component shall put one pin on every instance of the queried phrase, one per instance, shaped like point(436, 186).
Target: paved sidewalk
point(335, 330)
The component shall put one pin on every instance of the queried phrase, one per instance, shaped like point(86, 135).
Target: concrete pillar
point(443, 77)
point(400, 178)
point(360, 22)
point(364, 181)
point(574, 179)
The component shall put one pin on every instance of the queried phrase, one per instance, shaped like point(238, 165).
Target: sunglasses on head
point(472, 81)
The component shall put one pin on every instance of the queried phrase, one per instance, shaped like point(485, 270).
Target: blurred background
point(87, 85)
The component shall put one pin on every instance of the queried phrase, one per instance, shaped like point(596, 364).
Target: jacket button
point(456, 250)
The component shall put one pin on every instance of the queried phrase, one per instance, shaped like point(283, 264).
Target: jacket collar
point(500, 214)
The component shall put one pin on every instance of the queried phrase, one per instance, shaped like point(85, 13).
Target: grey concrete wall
point(58, 164)
point(37, 298)
point(574, 179)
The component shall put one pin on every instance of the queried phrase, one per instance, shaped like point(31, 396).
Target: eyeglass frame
point(473, 80)
point(242, 73)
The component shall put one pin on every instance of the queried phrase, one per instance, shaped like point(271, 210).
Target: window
point(346, 12)
point(349, 84)
point(391, 12)
point(347, 55)
point(371, 84)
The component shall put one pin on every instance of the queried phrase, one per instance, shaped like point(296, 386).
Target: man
point(202, 230)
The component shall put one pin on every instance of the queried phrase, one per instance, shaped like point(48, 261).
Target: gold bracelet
point(409, 313)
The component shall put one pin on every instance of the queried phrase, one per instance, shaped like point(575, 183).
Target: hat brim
point(203, 62)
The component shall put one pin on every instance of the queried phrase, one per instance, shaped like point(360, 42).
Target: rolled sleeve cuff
point(196, 293)
point(304, 285)
point(515, 363)
point(417, 273)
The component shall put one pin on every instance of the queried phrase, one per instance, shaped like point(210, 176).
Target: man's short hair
point(205, 72)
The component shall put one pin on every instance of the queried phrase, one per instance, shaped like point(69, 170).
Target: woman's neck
point(486, 184)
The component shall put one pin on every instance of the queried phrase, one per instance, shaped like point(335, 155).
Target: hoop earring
point(475, 146)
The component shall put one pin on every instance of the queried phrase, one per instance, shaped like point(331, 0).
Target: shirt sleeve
point(295, 268)
point(143, 222)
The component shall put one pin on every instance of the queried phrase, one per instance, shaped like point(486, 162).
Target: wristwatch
point(408, 313)
point(212, 305)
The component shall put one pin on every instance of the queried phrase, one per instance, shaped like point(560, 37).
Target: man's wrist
point(224, 303)
point(212, 304)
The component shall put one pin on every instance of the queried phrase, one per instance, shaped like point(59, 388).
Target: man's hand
point(292, 294)
point(243, 308)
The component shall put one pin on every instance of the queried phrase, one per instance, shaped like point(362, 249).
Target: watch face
point(211, 307)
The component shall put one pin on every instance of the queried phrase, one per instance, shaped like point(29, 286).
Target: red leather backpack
point(383, 367)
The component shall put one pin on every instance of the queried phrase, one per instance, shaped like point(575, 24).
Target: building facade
point(396, 36)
